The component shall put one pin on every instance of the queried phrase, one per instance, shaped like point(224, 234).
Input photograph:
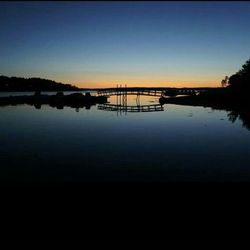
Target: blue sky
point(92, 44)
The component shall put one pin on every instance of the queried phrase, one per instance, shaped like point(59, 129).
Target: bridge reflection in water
point(135, 108)
point(121, 103)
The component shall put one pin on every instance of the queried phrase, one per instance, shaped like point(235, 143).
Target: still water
point(180, 143)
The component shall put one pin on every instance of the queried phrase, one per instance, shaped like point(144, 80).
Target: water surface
point(181, 143)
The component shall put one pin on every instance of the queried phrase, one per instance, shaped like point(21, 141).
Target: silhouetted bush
point(170, 92)
point(87, 94)
point(37, 93)
point(59, 94)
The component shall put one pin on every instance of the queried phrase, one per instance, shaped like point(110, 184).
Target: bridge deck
point(129, 92)
point(148, 91)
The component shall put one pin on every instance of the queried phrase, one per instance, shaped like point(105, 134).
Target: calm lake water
point(180, 143)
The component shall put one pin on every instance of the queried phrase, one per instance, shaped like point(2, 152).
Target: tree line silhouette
point(239, 83)
point(233, 97)
point(32, 84)
point(240, 80)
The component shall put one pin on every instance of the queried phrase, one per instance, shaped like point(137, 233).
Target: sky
point(102, 44)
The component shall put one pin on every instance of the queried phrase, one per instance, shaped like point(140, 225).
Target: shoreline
point(75, 100)
point(218, 99)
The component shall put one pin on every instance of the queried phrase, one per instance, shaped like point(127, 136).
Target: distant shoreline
point(59, 100)
point(110, 88)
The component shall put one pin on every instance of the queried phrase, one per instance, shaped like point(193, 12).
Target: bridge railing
point(158, 92)
point(122, 91)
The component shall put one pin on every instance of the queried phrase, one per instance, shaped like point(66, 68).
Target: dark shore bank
point(76, 100)
point(220, 98)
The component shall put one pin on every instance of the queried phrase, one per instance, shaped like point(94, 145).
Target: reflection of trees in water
point(240, 113)
point(243, 115)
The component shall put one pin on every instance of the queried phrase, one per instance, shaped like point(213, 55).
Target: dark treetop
point(241, 79)
point(32, 84)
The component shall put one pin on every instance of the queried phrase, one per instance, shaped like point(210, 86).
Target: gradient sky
point(101, 44)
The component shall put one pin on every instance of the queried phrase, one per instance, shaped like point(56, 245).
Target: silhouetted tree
point(241, 79)
point(241, 114)
point(232, 116)
point(224, 82)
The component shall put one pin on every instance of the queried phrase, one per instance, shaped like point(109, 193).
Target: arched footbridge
point(157, 92)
